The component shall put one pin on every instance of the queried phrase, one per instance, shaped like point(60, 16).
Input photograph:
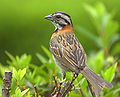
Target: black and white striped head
point(59, 19)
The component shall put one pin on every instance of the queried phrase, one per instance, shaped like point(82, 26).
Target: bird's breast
point(68, 29)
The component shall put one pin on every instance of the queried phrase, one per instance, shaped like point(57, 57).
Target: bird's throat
point(66, 29)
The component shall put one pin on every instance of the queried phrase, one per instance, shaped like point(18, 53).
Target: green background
point(23, 28)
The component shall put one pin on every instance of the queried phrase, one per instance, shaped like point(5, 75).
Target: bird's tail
point(95, 80)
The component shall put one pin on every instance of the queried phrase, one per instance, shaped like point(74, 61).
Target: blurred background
point(23, 28)
point(25, 36)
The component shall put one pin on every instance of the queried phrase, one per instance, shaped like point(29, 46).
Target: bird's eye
point(58, 16)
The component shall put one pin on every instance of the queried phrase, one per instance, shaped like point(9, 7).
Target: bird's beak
point(49, 17)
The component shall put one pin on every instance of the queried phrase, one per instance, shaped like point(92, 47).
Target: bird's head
point(59, 19)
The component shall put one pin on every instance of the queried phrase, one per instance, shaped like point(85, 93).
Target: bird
point(68, 52)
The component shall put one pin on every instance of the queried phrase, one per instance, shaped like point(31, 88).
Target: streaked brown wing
point(68, 51)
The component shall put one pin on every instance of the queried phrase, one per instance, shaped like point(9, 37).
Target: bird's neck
point(67, 28)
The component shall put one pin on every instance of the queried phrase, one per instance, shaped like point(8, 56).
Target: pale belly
point(61, 67)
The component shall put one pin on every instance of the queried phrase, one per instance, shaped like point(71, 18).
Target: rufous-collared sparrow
point(69, 54)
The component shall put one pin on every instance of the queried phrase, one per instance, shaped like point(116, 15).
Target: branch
point(7, 83)
point(89, 85)
point(36, 90)
point(62, 89)
point(81, 91)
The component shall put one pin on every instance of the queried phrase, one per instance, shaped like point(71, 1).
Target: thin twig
point(81, 91)
point(56, 87)
point(116, 61)
point(89, 85)
point(63, 88)
point(71, 83)
point(55, 80)
point(36, 90)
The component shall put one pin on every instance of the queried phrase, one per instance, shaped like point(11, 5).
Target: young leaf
point(18, 92)
point(24, 92)
point(22, 73)
point(97, 64)
point(113, 93)
point(18, 60)
point(110, 73)
point(11, 57)
point(74, 95)
point(86, 33)
point(84, 84)
point(116, 49)
point(25, 60)
point(41, 58)
point(47, 52)
point(15, 74)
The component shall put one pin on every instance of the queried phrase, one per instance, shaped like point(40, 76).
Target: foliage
point(26, 75)
point(106, 29)
point(25, 78)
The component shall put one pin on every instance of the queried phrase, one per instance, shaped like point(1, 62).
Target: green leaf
point(18, 75)
point(18, 60)
point(116, 49)
point(47, 52)
point(13, 86)
point(72, 94)
point(110, 73)
point(105, 20)
point(15, 74)
point(110, 30)
point(100, 9)
point(113, 93)
point(116, 91)
point(22, 73)
point(84, 84)
point(86, 33)
point(18, 92)
point(41, 58)
point(12, 64)
point(113, 41)
point(25, 60)
point(11, 57)
point(77, 81)
point(97, 64)
point(24, 92)
point(99, 59)
point(34, 73)
point(91, 10)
